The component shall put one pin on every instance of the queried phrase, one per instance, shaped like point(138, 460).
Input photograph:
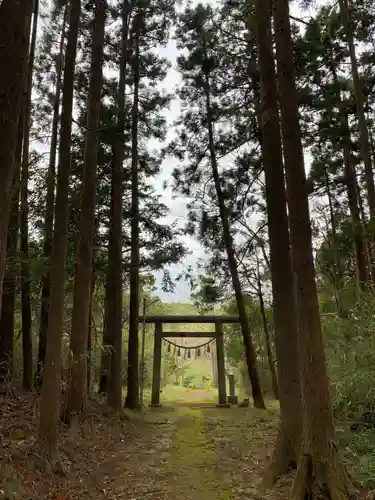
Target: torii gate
point(218, 321)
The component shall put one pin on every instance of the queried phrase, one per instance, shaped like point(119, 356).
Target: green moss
point(192, 465)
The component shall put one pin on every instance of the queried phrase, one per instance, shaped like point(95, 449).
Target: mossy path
point(185, 451)
point(193, 464)
point(193, 453)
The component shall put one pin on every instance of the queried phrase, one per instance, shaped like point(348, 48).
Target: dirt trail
point(192, 453)
point(181, 452)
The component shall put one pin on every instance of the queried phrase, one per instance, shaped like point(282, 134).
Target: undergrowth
point(350, 349)
point(359, 453)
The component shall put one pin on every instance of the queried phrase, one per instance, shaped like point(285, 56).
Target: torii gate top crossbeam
point(216, 319)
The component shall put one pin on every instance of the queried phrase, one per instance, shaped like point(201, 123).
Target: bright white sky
point(177, 204)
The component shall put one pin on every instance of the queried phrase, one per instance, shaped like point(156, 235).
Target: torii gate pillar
point(156, 369)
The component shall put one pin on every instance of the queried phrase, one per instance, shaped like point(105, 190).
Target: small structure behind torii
point(217, 334)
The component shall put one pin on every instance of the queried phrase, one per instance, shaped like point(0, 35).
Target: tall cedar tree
point(346, 8)
point(132, 397)
point(27, 345)
point(200, 59)
point(76, 398)
point(320, 44)
point(114, 277)
point(320, 472)
point(50, 394)
point(350, 176)
point(49, 208)
point(15, 18)
point(228, 242)
point(352, 194)
point(7, 314)
point(283, 287)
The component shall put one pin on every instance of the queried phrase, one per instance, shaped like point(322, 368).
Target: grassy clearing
point(173, 394)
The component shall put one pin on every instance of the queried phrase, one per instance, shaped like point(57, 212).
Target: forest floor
point(190, 450)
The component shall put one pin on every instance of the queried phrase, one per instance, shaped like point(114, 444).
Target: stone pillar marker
point(232, 398)
point(156, 371)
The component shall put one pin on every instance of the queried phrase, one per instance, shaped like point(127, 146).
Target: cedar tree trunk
point(114, 278)
point(15, 18)
point(320, 471)
point(10, 277)
point(77, 390)
point(48, 216)
point(132, 398)
point(283, 286)
point(27, 344)
point(50, 394)
point(228, 242)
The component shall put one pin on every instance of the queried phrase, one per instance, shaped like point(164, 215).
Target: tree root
point(283, 460)
point(259, 403)
point(47, 459)
point(49, 466)
point(322, 478)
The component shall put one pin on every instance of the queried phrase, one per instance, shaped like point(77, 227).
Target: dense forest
point(275, 146)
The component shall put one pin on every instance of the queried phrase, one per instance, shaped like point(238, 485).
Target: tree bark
point(10, 277)
point(77, 389)
point(89, 339)
point(283, 284)
point(107, 343)
point(319, 472)
point(132, 398)
point(228, 242)
point(27, 344)
point(48, 216)
point(372, 144)
point(114, 320)
point(50, 394)
point(15, 18)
